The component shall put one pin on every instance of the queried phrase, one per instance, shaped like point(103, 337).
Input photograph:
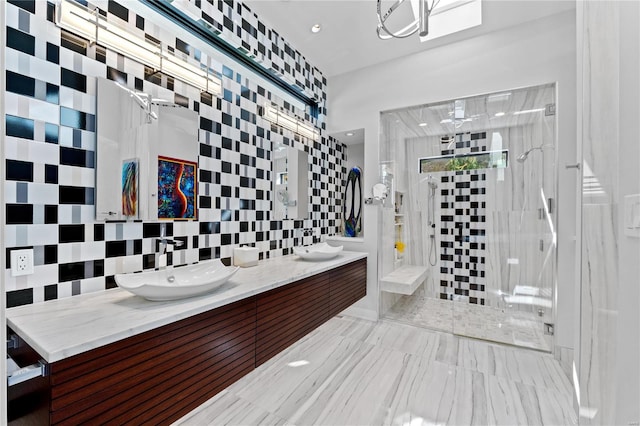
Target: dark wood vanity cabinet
point(160, 375)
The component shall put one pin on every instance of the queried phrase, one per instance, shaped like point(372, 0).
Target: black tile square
point(51, 292)
point(110, 282)
point(21, 41)
point(19, 170)
point(19, 214)
point(71, 271)
point(50, 173)
point(98, 232)
point(118, 10)
point(73, 157)
point(50, 214)
point(73, 80)
point(20, 84)
point(28, 5)
point(19, 297)
point(19, 127)
point(53, 53)
point(71, 233)
point(50, 254)
point(116, 248)
point(75, 195)
point(150, 230)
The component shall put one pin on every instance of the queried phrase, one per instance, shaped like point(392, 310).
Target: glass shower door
point(503, 272)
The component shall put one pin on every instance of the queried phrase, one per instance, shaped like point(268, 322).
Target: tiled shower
point(474, 202)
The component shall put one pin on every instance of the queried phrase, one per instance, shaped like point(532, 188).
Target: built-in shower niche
point(475, 161)
point(146, 156)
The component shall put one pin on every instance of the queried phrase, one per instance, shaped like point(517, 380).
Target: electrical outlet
point(21, 262)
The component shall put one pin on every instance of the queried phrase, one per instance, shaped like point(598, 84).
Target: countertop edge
point(53, 355)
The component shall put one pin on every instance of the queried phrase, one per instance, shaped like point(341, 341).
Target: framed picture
point(130, 185)
point(177, 188)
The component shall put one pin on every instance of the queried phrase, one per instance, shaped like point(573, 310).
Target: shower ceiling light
point(91, 25)
point(499, 114)
point(316, 28)
point(296, 125)
point(349, 133)
point(422, 124)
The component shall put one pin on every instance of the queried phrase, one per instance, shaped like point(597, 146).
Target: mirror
point(147, 156)
point(290, 183)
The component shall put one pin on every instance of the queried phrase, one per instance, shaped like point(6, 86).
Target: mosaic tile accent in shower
point(463, 226)
point(50, 159)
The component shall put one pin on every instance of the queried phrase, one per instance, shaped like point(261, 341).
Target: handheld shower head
point(523, 157)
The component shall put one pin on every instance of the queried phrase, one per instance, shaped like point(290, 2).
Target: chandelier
point(420, 25)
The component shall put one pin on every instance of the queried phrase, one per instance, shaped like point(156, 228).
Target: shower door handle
point(572, 166)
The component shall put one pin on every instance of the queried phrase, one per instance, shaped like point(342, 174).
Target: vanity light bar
point(296, 125)
point(91, 25)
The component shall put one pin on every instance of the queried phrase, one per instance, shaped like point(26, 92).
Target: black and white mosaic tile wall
point(463, 226)
point(236, 24)
point(50, 151)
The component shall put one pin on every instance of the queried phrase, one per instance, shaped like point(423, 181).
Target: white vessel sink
point(178, 283)
point(321, 251)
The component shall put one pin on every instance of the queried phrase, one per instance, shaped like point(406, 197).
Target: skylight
point(451, 16)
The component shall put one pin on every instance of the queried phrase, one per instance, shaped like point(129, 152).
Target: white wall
point(608, 360)
point(628, 354)
point(538, 52)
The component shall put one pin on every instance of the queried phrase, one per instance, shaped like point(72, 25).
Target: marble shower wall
point(513, 225)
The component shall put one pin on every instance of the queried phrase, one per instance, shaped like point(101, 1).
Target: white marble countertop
point(62, 328)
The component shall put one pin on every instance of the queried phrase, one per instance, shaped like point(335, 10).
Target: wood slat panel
point(77, 365)
point(146, 396)
point(285, 315)
point(295, 328)
point(136, 380)
point(162, 362)
point(153, 357)
point(173, 397)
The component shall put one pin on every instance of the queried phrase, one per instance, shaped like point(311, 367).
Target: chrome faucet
point(163, 242)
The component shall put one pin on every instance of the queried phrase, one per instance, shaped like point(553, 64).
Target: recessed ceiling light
point(316, 28)
point(499, 114)
point(349, 133)
point(422, 124)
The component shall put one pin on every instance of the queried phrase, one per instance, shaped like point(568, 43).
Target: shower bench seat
point(404, 280)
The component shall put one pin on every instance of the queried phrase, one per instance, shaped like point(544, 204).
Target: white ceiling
point(348, 39)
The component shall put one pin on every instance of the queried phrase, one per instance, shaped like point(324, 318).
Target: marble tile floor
point(356, 372)
point(511, 327)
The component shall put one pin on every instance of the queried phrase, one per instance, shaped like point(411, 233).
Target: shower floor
point(482, 322)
